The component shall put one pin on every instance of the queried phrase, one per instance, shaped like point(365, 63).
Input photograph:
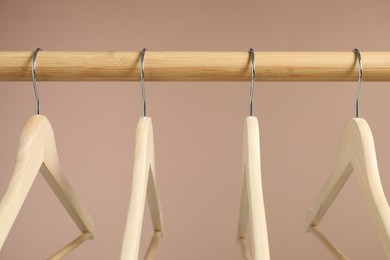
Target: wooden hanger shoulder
point(252, 202)
point(37, 152)
point(143, 186)
point(357, 152)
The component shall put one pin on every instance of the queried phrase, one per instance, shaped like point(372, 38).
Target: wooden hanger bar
point(194, 66)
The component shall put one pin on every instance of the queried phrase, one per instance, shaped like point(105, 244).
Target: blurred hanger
point(144, 185)
point(357, 152)
point(252, 192)
point(37, 152)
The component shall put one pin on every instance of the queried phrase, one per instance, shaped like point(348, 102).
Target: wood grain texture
point(71, 246)
point(246, 254)
point(144, 185)
point(357, 153)
point(252, 202)
point(37, 152)
point(151, 251)
point(194, 66)
point(328, 244)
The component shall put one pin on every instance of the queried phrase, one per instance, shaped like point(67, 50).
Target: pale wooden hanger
point(37, 152)
point(252, 189)
point(252, 196)
point(144, 185)
point(357, 152)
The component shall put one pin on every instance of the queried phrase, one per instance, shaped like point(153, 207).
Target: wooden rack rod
point(194, 66)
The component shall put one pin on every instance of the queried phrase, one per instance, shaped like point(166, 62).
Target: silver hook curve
point(143, 82)
point(252, 53)
point(34, 79)
point(359, 57)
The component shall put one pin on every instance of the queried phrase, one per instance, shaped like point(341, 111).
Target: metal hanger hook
point(252, 53)
point(143, 82)
point(359, 57)
point(34, 79)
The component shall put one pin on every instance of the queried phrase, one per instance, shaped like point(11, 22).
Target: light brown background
point(198, 126)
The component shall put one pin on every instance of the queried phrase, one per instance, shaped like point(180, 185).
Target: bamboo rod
point(194, 66)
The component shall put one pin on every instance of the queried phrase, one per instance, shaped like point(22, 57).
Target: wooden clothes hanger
point(357, 152)
point(252, 189)
point(144, 185)
point(252, 196)
point(37, 152)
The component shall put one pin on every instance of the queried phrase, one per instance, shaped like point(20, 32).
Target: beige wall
point(198, 126)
